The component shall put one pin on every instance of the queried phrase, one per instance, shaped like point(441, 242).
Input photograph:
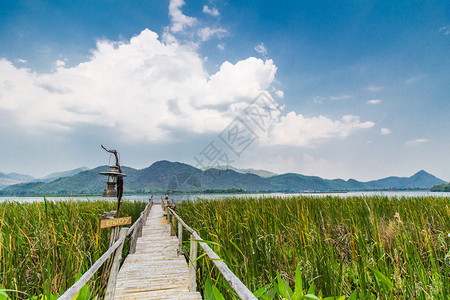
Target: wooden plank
point(155, 270)
point(115, 222)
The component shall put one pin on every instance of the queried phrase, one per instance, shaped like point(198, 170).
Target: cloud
point(261, 49)
point(374, 88)
point(374, 101)
point(210, 11)
point(179, 20)
point(59, 63)
point(142, 89)
point(221, 46)
point(206, 33)
point(153, 90)
point(445, 30)
point(279, 93)
point(320, 100)
point(414, 79)
point(22, 61)
point(416, 142)
point(341, 97)
point(243, 80)
point(385, 131)
point(299, 131)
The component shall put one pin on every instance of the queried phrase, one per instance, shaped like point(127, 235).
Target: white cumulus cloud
point(279, 93)
point(210, 11)
point(299, 131)
point(374, 101)
point(206, 33)
point(154, 90)
point(385, 131)
point(143, 89)
point(179, 20)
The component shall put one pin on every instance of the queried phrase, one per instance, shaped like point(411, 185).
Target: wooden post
point(171, 223)
point(133, 241)
point(111, 287)
point(193, 265)
point(180, 238)
point(147, 211)
point(139, 229)
point(149, 208)
point(144, 218)
point(107, 266)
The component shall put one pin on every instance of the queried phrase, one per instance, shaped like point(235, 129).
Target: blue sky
point(364, 86)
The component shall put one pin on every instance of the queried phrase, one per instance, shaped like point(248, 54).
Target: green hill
point(163, 176)
point(445, 187)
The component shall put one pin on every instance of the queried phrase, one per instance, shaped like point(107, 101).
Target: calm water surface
point(181, 197)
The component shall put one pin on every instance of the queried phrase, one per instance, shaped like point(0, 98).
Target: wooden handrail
point(76, 287)
point(235, 283)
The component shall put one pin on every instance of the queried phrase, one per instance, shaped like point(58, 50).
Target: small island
point(445, 187)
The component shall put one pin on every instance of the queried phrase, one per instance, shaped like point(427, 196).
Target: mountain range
point(163, 176)
point(13, 178)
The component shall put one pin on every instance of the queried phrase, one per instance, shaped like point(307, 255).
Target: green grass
point(44, 245)
point(378, 247)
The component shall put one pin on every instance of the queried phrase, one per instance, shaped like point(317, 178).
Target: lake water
point(181, 197)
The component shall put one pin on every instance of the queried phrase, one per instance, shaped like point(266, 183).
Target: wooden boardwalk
point(155, 271)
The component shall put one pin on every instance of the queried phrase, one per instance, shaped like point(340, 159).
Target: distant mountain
point(163, 176)
point(420, 180)
point(57, 175)
point(262, 173)
point(13, 178)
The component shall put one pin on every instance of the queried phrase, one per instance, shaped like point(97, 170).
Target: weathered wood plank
point(155, 270)
point(193, 265)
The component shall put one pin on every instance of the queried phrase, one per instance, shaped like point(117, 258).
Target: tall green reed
point(44, 245)
point(378, 246)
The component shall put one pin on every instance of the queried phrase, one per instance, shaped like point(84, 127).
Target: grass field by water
point(44, 245)
point(380, 247)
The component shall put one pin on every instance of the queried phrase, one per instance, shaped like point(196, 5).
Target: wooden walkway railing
point(136, 231)
point(234, 282)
